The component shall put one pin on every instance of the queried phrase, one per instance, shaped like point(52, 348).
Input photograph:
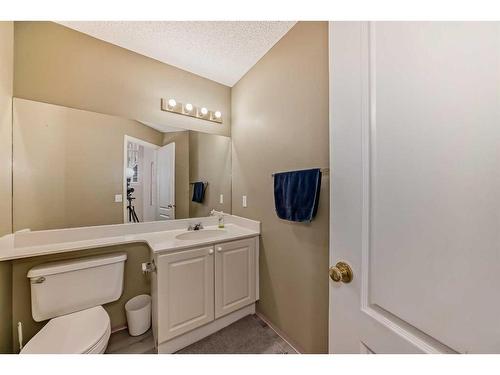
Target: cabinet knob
point(211, 251)
point(219, 249)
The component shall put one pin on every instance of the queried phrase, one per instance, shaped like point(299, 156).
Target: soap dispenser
point(221, 220)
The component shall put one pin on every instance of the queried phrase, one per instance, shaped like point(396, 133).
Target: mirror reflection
point(76, 168)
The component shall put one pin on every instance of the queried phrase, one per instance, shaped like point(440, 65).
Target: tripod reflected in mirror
point(132, 216)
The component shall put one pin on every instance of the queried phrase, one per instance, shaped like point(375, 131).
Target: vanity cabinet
point(185, 291)
point(234, 276)
point(200, 290)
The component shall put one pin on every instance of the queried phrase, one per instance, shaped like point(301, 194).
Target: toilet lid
point(73, 333)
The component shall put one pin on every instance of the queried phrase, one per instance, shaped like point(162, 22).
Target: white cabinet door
point(234, 276)
point(185, 291)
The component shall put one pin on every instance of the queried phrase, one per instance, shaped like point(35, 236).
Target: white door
point(166, 182)
point(185, 282)
point(149, 185)
point(234, 276)
point(415, 154)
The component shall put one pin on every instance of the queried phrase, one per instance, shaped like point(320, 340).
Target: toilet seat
point(85, 331)
point(101, 345)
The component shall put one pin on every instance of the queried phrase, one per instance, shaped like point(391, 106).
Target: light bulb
point(189, 107)
point(217, 114)
point(204, 111)
point(172, 103)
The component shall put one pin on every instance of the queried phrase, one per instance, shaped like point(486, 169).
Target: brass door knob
point(341, 272)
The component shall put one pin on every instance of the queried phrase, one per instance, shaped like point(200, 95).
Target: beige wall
point(6, 80)
point(280, 122)
point(135, 283)
point(181, 140)
point(69, 165)
point(5, 307)
point(57, 65)
point(210, 161)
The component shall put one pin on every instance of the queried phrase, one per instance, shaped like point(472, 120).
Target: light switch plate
point(221, 199)
point(244, 201)
point(118, 198)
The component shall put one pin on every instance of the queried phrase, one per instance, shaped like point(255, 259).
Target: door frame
point(126, 140)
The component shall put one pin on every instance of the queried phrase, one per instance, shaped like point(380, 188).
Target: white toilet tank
point(62, 287)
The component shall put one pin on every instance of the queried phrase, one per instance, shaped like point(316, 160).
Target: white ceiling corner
point(222, 51)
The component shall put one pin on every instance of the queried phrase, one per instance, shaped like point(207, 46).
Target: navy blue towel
point(296, 194)
point(198, 192)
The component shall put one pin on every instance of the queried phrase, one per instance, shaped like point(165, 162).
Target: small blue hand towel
point(296, 194)
point(198, 192)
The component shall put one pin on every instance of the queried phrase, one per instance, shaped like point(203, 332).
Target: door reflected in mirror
point(76, 168)
point(149, 181)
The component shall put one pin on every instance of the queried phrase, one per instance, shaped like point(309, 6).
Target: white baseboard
point(280, 333)
point(177, 343)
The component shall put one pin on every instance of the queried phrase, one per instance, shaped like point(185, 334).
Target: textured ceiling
point(222, 51)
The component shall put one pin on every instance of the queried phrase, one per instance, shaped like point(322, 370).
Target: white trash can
point(138, 310)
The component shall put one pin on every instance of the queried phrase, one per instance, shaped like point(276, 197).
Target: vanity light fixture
point(188, 109)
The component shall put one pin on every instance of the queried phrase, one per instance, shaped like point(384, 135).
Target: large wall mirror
point(76, 168)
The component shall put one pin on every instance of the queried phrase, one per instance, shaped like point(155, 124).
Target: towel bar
point(323, 170)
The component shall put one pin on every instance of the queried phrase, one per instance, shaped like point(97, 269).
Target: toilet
point(70, 293)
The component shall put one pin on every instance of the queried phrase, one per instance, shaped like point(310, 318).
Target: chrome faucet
point(195, 227)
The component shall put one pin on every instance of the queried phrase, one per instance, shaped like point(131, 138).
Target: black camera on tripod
point(130, 190)
point(132, 216)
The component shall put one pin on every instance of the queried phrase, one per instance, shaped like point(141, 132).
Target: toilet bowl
point(82, 332)
point(70, 294)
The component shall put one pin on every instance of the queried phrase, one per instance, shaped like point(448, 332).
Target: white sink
point(202, 234)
